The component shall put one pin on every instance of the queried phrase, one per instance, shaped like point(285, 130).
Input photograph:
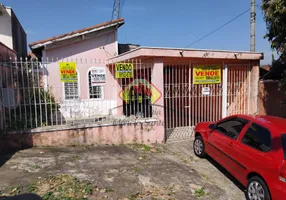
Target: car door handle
point(230, 144)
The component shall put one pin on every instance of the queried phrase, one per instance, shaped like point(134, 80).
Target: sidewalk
point(168, 171)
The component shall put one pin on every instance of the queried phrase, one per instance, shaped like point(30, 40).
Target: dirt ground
point(129, 172)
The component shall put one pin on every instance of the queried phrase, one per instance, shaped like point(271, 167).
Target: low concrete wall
point(140, 132)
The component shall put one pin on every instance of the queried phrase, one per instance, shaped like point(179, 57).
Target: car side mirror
point(212, 126)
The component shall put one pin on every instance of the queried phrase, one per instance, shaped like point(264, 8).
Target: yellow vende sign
point(68, 72)
point(124, 70)
point(206, 74)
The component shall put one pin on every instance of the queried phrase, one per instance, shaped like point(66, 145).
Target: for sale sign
point(68, 72)
point(98, 76)
point(124, 70)
point(206, 74)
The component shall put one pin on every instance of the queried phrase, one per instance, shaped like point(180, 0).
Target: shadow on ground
point(226, 173)
point(6, 157)
point(11, 144)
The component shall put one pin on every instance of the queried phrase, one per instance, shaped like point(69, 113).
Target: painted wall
point(12, 33)
point(6, 29)
point(179, 81)
point(87, 53)
point(145, 133)
point(271, 99)
point(19, 36)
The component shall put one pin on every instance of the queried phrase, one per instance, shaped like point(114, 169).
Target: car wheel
point(199, 147)
point(257, 189)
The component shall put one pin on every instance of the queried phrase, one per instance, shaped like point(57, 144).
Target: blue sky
point(163, 23)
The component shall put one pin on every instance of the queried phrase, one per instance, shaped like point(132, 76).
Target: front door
point(254, 151)
point(223, 139)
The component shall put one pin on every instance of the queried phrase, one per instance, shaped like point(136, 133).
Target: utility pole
point(252, 26)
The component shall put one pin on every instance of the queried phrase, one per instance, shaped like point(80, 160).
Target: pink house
point(181, 87)
point(89, 48)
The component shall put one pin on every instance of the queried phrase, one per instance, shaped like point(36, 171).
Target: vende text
point(208, 73)
point(68, 71)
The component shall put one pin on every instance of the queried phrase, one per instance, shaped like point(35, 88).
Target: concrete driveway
point(168, 171)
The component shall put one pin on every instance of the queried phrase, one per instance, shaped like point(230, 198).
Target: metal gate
point(187, 104)
point(238, 93)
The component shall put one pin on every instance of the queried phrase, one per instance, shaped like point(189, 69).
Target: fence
point(58, 92)
point(41, 93)
point(194, 103)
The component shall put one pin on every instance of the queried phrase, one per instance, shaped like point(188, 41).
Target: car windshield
point(283, 137)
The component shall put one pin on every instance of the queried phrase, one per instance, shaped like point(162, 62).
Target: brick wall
point(271, 99)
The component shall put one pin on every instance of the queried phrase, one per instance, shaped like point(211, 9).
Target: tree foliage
point(37, 105)
point(275, 17)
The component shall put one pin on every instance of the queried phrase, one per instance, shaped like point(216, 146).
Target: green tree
point(275, 17)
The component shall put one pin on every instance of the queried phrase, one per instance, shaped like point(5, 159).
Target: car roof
point(277, 123)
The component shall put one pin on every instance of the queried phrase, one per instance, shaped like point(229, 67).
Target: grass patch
point(15, 190)
point(76, 157)
point(133, 196)
point(136, 169)
point(107, 189)
point(32, 188)
point(60, 187)
point(146, 147)
point(140, 147)
point(200, 192)
point(37, 167)
point(88, 188)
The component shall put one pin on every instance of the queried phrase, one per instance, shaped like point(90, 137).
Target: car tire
point(199, 147)
point(256, 186)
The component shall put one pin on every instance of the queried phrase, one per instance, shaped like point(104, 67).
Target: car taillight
point(283, 172)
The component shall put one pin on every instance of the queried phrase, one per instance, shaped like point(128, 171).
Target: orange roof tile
point(121, 20)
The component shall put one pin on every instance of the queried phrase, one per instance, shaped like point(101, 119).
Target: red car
point(251, 148)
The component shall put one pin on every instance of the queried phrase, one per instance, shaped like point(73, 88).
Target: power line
point(233, 19)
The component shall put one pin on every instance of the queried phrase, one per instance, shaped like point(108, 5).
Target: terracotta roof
point(32, 55)
point(78, 31)
point(265, 67)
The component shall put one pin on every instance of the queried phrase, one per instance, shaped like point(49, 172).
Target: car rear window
point(284, 144)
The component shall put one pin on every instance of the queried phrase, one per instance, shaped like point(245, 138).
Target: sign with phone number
point(68, 72)
point(124, 70)
point(97, 76)
point(206, 74)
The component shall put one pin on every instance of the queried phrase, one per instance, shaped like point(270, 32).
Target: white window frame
point(78, 88)
point(89, 85)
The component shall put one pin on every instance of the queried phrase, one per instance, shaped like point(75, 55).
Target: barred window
point(95, 89)
point(71, 90)
point(96, 92)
